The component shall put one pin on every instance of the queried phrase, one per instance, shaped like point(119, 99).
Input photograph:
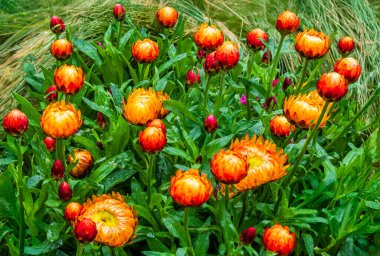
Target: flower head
point(152, 139)
point(167, 16)
point(349, 68)
point(192, 78)
point(312, 44)
point(49, 143)
point(69, 79)
point(119, 12)
point(57, 25)
point(101, 121)
point(287, 82)
point(279, 239)
point(61, 120)
point(332, 86)
point(64, 191)
point(51, 93)
point(227, 55)
point(157, 123)
point(229, 167)
point(266, 161)
point(57, 170)
point(248, 235)
point(287, 22)
point(210, 123)
point(85, 230)
point(255, 38)
point(280, 126)
point(115, 221)
point(72, 211)
point(208, 37)
point(145, 51)
point(15, 123)
point(243, 99)
point(346, 45)
point(84, 164)
point(190, 189)
point(61, 49)
point(304, 110)
point(211, 65)
point(201, 54)
point(267, 57)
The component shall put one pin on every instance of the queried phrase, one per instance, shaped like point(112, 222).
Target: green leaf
point(118, 177)
point(217, 144)
point(178, 108)
point(28, 109)
point(144, 213)
point(308, 243)
point(104, 110)
point(170, 62)
point(174, 227)
point(89, 145)
point(178, 152)
point(89, 50)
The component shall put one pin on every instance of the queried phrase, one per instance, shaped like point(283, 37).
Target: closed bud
point(201, 54)
point(267, 57)
point(346, 45)
point(279, 239)
point(211, 65)
point(61, 49)
point(101, 121)
point(57, 170)
point(15, 123)
point(287, 22)
point(57, 25)
point(72, 211)
point(287, 82)
point(51, 93)
point(255, 39)
point(211, 124)
point(49, 143)
point(152, 139)
point(85, 230)
point(268, 102)
point(192, 78)
point(248, 235)
point(119, 12)
point(64, 191)
point(157, 123)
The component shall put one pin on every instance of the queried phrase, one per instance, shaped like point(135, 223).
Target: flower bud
point(266, 57)
point(279, 239)
point(208, 37)
point(152, 139)
point(332, 86)
point(227, 55)
point(346, 45)
point(287, 82)
point(243, 99)
point(274, 82)
point(349, 68)
point(64, 191)
point(255, 38)
point(248, 235)
point(211, 65)
point(101, 121)
point(157, 123)
point(49, 143)
point(57, 170)
point(210, 123)
point(84, 164)
point(51, 93)
point(57, 25)
point(201, 54)
point(85, 230)
point(167, 16)
point(119, 12)
point(72, 211)
point(15, 123)
point(267, 103)
point(145, 51)
point(192, 78)
point(61, 49)
point(287, 22)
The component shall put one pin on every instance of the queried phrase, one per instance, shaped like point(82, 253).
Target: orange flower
point(349, 68)
point(142, 105)
point(15, 123)
point(280, 126)
point(84, 164)
point(158, 124)
point(167, 16)
point(255, 38)
point(229, 167)
point(72, 211)
point(346, 45)
point(287, 22)
point(190, 189)
point(115, 221)
point(266, 162)
point(61, 120)
point(69, 79)
point(163, 97)
point(145, 51)
point(152, 139)
point(279, 239)
point(303, 110)
point(208, 37)
point(227, 55)
point(61, 49)
point(312, 44)
point(332, 86)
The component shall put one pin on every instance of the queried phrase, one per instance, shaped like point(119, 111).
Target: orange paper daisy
point(280, 126)
point(84, 164)
point(312, 44)
point(208, 37)
point(229, 167)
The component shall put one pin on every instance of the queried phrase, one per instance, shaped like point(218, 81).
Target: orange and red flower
point(85, 230)
point(227, 55)
point(208, 37)
point(346, 45)
point(255, 38)
point(158, 124)
point(49, 143)
point(190, 189)
point(229, 167)
point(57, 25)
point(210, 123)
point(167, 16)
point(72, 211)
point(279, 239)
point(64, 191)
point(84, 164)
point(280, 126)
point(15, 123)
point(287, 22)
point(349, 68)
point(51, 93)
point(332, 86)
point(61, 49)
point(57, 170)
point(119, 12)
point(115, 221)
point(211, 65)
point(69, 79)
point(152, 139)
point(145, 51)
point(312, 44)
point(304, 110)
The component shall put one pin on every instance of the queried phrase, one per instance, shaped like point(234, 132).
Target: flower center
point(255, 161)
point(105, 217)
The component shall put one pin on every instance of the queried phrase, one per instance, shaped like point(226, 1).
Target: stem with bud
point(20, 198)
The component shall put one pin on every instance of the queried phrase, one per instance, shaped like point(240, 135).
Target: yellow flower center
point(255, 161)
point(105, 217)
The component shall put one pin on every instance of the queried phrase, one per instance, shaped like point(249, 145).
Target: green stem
point(21, 199)
point(150, 174)
point(118, 34)
point(244, 207)
point(301, 154)
point(299, 85)
point(274, 66)
point(290, 137)
point(227, 196)
point(221, 91)
point(349, 125)
point(249, 111)
point(60, 151)
point(186, 228)
point(205, 94)
point(80, 248)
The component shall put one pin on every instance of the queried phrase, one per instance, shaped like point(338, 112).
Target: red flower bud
point(101, 121)
point(287, 82)
point(64, 191)
point(152, 139)
point(192, 78)
point(211, 124)
point(287, 22)
point(267, 103)
point(15, 123)
point(49, 143)
point(119, 12)
point(248, 235)
point(211, 65)
point(279, 239)
point(57, 25)
point(274, 82)
point(227, 55)
point(346, 45)
point(201, 54)
point(157, 123)
point(255, 38)
point(51, 93)
point(57, 170)
point(265, 58)
point(85, 230)
point(72, 211)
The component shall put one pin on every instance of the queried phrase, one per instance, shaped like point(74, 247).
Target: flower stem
point(150, 174)
point(227, 196)
point(290, 137)
point(80, 248)
point(301, 154)
point(205, 94)
point(21, 199)
point(248, 103)
point(186, 228)
point(244, 207)
point(221, 91)
point(299, 86)
point(274, 66)
point(118, 34)
point(60, 153)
